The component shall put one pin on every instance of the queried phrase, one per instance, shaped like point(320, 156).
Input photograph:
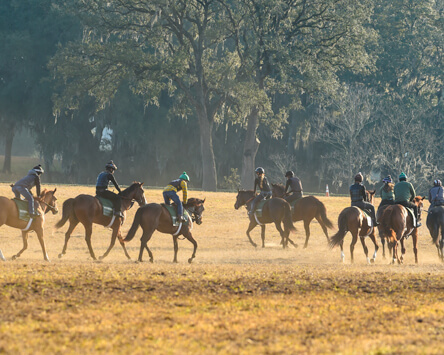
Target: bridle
point(196, 212)
point(141, 201)
point(52, 208)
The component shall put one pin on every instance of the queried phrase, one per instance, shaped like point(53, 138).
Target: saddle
point(172, 210)
point(259, 207)
point(107, 206)
point(294, 202)
point(22, 208)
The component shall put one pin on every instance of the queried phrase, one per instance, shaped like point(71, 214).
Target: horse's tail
point(288, 223)
point(323, 213)
point(384, 227)
point(339, 236)
point(68, 210)
point(434, 225)
point(134, 226)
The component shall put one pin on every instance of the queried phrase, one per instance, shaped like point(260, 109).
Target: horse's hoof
point(48, 260)
point(102, 257)
point(190, 260)
point(137, 262)
point(372, 261)
point(97, 261)
point(305, 246)
point(152, 261)
point(60, 255)
point(14, 257)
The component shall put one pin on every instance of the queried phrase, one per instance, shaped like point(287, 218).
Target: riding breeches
point(114, 198)
point(20, 190)
point(366, 206)
point(172, 195)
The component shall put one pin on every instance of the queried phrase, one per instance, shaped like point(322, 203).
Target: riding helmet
point(260, 170)
point(184, 176)
point(402, 177)
point(38, 169)
point(111, 165)
point(387, 179)
point(437, 182)
point(289, 173)
point(359, 177)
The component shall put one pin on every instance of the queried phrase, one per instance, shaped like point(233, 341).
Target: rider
point(102, 187)
point(171, 190)
point(404, 195)
point(295, 186)
point(359, 197)
point(265, 190)
point(25, 184)
point(436, 194)
point(386, 192)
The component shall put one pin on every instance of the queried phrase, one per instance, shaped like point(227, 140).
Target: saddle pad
point(410, 211)
point(107, 206)
point(22, 207)
point(173, 213)
point(259, 207)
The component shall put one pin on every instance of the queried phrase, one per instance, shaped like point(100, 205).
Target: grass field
point(233, 299)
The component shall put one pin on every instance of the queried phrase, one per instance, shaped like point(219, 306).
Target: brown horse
point(396, 224)
point(275, 210)
point(9, 215)
point(379, 213)
point(354, 220)
point(87, 210)
point(435, 224)
point(154, 217)
point(306, 209)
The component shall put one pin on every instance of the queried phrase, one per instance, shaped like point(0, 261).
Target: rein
point(51, 207)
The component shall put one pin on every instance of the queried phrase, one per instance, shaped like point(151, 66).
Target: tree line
point(326, 88)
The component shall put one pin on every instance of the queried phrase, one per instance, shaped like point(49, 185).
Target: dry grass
point(233, 299)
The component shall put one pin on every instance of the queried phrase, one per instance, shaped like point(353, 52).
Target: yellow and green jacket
point(176, 186)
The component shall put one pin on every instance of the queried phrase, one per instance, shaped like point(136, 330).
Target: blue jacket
point(29, 181)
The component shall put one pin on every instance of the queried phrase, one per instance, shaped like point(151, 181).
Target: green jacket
point(386, 195)
point(404, 191)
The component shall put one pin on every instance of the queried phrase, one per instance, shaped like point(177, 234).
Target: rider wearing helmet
point(171, 190)
point(404, 195)
point(264, 187)
point(386, 192)
point(102, 187)
point(359, 197)
point(436, 194)
point(295, 186)
point(25, 184)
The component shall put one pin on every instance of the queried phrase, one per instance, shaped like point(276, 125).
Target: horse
point(305, 209)
point(9, 215)
point(353, 220)
point(379, 213)
point(155, 216)
point(87, 210)
point(435, 224)
point(396, 224)
point(275, 210)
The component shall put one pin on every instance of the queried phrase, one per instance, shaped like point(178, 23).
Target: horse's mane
point(131, 188)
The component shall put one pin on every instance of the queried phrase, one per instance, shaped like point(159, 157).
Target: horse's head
point(419, 201)
point(278, 190)
point(48, 201)
point(242, 197)
point(370, 195)
point(135, 192)
point(195, 207)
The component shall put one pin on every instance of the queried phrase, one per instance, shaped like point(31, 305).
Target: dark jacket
point(103, 181)
point(357, 192)
point(404, 192)
point(436, 196)
point(265, 186)
point(29, 181)
point(294, 184)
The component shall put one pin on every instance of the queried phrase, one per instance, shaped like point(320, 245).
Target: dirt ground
point(233, 298)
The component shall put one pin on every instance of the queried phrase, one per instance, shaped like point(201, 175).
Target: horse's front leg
point(176, 248)
point(401, 259)
point(42, 243)
point(250, 228)
point(415, 244)
point(307, 232)
point(116, 232)
point(25, 245)
point(263, 235)
point(88, 233)
point(189, 236)
point(352, 246)
point(364, 246)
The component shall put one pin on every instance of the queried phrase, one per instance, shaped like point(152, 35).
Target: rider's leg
point(25, 192)
point(16, 192)
point(173, 196)
point(256, 200)
point(166, 198)
point(115, 199)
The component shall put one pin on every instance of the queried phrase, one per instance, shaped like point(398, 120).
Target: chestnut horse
point(305, 209)
point(87, 210)
point(396, 224)
point(354, 220)
point(435, 224)
point(154, 217)
point(275, 210)
point(9, 215)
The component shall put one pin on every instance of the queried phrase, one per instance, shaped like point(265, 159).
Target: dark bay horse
point(306, 209)
point(9, 215)
point(87, 210)
point(275, 210)
point(154, 217)
point(354, 220)
point(396, 224)
point(435, 224)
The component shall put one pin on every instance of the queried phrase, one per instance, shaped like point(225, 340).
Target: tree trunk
point(209, 178)
point(251, 146)
point(9, 138)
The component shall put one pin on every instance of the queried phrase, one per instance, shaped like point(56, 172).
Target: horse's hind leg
point(401, 260)
point(88, 233)
point(72, 225)
point(122, 243)
point(307, 233)
point(25, 245)
point(189, 236)
point(375, 242)
point(323, 226)
point(42, 243)
point(364, 246)
point(284, 237)
point(352, 246)
point(146, 236)
point(263, 235)
point(176, 248)
point(116, 232)
point(415, 244)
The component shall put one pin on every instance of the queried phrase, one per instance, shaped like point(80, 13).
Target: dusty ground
point(233, 299)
